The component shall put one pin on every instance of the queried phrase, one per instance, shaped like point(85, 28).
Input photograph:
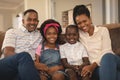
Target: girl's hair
point(79, 10)
point(72, 26)
point(49, 23)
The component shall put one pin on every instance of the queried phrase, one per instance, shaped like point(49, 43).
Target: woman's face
point(51, 35)
point(83, 22)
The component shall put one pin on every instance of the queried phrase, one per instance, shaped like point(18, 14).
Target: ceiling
point(10, 4)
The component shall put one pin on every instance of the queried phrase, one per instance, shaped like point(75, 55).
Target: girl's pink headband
point(49, 25)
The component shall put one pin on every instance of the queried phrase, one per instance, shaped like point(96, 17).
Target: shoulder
point(102, 28)
point(80, 45)
point(13, 30)
point(63, 45)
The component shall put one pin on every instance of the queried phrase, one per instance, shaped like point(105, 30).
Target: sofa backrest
point(114, 30)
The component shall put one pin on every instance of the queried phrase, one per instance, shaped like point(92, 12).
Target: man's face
point(30, 21)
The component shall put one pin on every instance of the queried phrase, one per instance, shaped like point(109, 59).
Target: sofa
point(114, 30)
point(2, 34)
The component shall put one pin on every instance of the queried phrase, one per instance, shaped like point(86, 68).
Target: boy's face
point(72, 35)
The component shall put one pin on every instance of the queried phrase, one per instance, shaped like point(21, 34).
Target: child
point(74, 55)
point(47, 53)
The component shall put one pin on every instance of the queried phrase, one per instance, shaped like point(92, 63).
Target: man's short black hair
point(29, 10)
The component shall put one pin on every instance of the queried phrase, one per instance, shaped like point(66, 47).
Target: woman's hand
point(87, 70)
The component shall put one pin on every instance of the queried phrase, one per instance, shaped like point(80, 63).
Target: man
point(19, 49)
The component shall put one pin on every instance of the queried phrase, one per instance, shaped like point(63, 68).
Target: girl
point(74, 55)
point(47, 53)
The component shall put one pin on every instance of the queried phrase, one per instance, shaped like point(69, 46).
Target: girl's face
point(51, 35)
point(72, 35)
point(83, 22)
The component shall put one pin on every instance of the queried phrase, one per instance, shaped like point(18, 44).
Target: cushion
point(115, 39)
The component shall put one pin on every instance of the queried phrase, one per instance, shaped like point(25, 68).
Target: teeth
point(84, 27)
point(72, 40)
point(32, 25)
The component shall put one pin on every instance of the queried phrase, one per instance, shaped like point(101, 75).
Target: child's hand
point(41, 66)
point(76, 68)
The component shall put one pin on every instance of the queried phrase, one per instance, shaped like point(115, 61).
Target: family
point(35, 54)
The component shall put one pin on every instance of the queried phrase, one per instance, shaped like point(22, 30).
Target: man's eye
point(34, 20)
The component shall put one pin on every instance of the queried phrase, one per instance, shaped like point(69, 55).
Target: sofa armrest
point(2, 34)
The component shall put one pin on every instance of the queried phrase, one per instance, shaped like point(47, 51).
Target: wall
point(111, 11)
point(6, 19)
point(41, 6)
point(63, 5)
point(119, 10)
point(18, 11)
point(46, 10)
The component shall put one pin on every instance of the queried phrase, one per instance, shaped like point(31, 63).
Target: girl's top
point(50, 57)
point(73, 52)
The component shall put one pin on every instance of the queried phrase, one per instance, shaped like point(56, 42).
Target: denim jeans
point(110, 67)
point(95, 74)
point(20, 65)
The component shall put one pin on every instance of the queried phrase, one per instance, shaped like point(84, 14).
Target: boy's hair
point(72, 26)
point(79, 10)
point(50, 21)
point(29, 10)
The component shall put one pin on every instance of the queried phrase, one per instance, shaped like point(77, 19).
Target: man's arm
point(8, 51)
point(9, 43)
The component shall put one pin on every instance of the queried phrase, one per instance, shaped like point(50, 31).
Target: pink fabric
point(38, 50)
point(51, 24)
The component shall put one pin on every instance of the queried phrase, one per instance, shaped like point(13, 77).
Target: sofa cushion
point(115, 39)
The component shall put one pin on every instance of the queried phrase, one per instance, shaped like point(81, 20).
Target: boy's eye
point(71, 34)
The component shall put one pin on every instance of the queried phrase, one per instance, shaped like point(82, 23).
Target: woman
point(104, 64)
